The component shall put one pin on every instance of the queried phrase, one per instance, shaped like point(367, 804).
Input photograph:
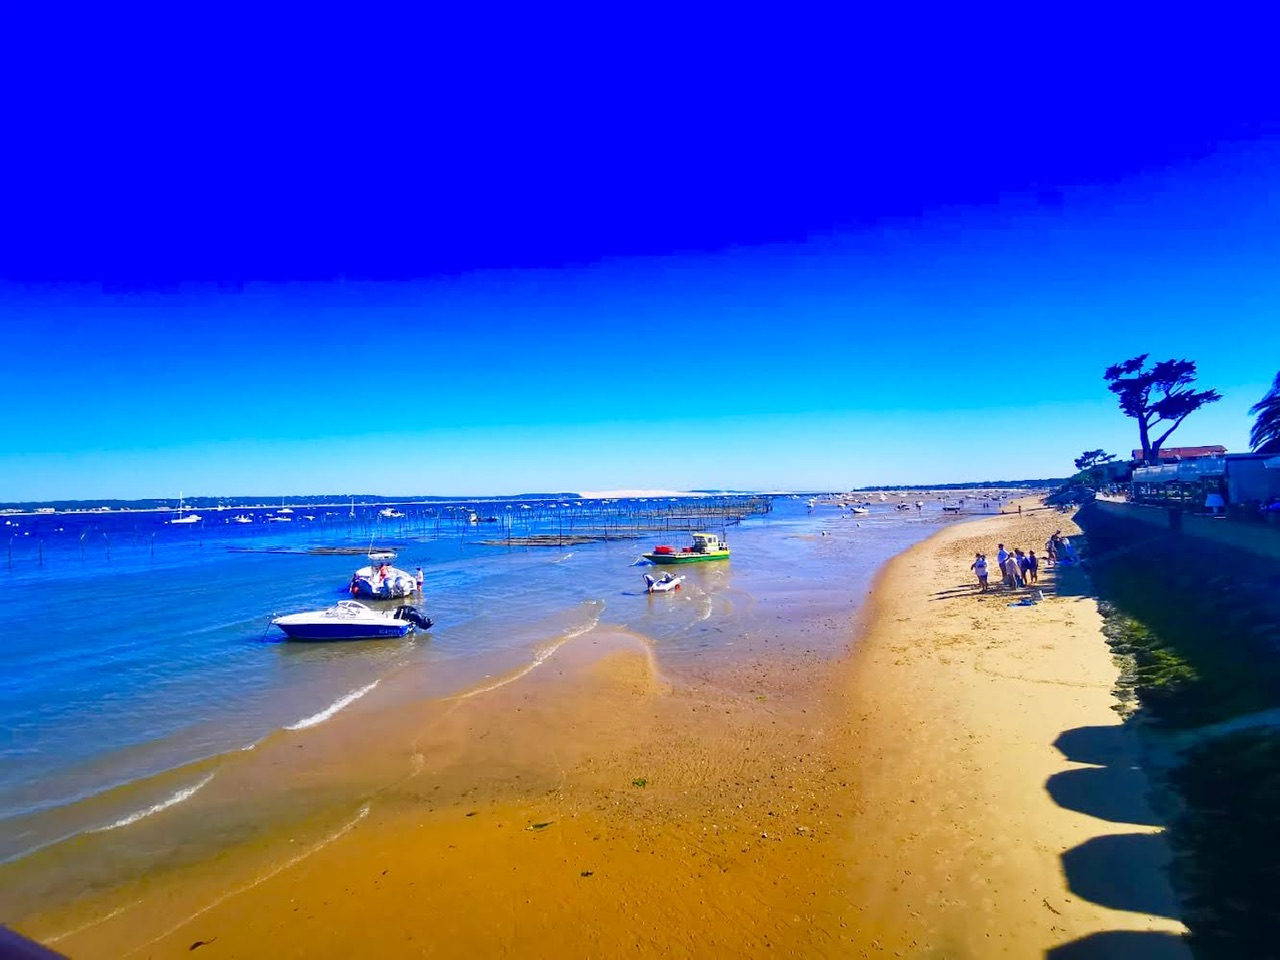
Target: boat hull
point(348, 620)
point(671, 558)
point(345, 631)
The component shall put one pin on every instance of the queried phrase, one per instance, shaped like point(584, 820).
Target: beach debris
point(640, 782)
point(540, 826)
point(201, 943)
point(586, 873)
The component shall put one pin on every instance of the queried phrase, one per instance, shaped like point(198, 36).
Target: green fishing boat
point(706, 546)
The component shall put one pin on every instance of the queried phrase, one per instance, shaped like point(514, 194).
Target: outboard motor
point(648, 582)
point(407, 612)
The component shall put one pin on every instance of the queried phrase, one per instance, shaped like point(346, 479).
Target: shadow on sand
point(1122, 945)
point(1113, 789)
point(1118, 871)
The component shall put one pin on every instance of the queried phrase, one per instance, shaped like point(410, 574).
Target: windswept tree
point(1093, 458)
point(1162, 394)
point(1265, 435)
point(1090, 466)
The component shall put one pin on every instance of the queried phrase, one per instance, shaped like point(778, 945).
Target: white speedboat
point(663, 584)
point(242, 518)
point(381, 581)
point(349, 620)
point(390, 513)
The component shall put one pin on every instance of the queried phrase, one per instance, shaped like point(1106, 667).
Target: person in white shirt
point(979, 568)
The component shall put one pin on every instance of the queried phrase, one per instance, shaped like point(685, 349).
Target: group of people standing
point(1016, 569)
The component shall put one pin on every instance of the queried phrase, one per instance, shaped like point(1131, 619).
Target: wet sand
point(957, 786)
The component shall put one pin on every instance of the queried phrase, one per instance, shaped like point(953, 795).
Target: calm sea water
point(132, 646)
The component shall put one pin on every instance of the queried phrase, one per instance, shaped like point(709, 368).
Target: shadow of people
point(1123, 872)
point(1115, 793)
point(1123, 945)
point(961, 590)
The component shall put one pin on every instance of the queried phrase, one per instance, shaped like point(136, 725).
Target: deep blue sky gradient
point(434, 256)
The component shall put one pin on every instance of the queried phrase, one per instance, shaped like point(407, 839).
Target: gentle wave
point(539, 657)
point(340, 704)
point(186, 793)
point(298, 858)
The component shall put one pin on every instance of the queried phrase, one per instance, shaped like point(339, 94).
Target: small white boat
point(390, 514)
point(663, 584)
point(382, 556)
point(280, 519)
point(242, 518)
point(381, 581)
point(349, 620)
point(859, 510)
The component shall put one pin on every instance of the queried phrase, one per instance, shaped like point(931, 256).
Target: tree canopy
point(1093, 458)
point(1265, 435)
point(1090, 467)
point(1162, 394)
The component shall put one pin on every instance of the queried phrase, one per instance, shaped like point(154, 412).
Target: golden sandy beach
point(958, 786)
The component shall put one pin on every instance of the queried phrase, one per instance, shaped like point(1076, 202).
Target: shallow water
point(133, 647)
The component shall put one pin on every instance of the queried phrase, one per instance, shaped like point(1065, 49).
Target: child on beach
point(979, 568)
point(1033, 567)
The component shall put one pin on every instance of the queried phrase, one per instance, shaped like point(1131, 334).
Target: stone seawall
point(1194, 615)
point(1260, 539)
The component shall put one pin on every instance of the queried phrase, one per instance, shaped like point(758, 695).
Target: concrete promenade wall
point(1260, 539)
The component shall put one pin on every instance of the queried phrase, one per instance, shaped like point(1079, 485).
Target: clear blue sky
point(417, 258)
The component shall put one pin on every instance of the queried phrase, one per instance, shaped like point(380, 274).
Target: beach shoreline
point(907, 796)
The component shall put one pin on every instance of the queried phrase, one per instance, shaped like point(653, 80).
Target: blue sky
point(792, 259)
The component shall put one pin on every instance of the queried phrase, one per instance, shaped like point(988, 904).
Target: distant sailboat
point(189, 518)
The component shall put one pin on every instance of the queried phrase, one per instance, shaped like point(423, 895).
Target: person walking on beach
point(1033, 567)
point(1024, 566)
point(1001, 556)
point(979, 568)
point(1051, 549)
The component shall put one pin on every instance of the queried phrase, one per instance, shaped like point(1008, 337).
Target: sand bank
point(1000, 810)
point(958, 786)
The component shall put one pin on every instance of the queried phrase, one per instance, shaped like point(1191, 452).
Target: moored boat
point(664, 584)
point(381, 581)
point(182, 517)
point(706, 546)
point(350, 620)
